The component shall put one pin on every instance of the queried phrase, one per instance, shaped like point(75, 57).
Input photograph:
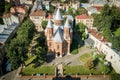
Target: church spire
point(67, 24)
point(58, 15)
point(49, 25)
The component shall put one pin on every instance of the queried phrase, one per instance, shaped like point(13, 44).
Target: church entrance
point(58, 54)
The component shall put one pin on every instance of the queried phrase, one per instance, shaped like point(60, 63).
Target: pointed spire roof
point(58, 36)
point(58, 15)
point(67, 24)
point(49, 25)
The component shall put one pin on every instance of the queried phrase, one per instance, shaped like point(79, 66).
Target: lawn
point(29, 70)
point(73, 70)
point(30, 60)
point(84, 57)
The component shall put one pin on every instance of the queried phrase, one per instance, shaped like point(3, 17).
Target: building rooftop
point(6, 32)
point(49, 25)
point(96, 34)
point(38, 13)
point(99, 8)
point(67, 24)
point(58, 36)
point(83, 16)
point(58, 15)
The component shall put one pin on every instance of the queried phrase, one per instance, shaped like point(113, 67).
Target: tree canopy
point(44, 24)
point(108, 23)
point(16, 50)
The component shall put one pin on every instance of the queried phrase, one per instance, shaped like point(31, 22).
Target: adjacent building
point(58, 35)
point(86, 20)
point(9, 18)
point(102, 45)
point(37, 14)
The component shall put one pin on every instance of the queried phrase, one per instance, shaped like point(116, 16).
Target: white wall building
point(102, 45)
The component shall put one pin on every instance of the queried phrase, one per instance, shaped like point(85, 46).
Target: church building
point(58, 35)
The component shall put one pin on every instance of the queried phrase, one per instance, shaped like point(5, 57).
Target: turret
point(67, 28)
point(49, 29)
point(58, 19)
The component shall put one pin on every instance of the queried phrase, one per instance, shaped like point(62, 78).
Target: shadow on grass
point(50, 57)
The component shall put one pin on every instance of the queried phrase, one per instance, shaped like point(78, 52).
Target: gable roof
point(83, 16)
point(38, 13)
point(58, 35)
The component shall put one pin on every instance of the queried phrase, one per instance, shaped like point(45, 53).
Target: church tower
point(59, 35)
point(58, 19)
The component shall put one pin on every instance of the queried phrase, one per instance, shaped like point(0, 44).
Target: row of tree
point(108, 23)
point(16, 50)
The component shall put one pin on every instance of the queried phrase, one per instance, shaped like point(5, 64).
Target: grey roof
point(89, 42)
point(67, 24)
point(70, 17)
point(58, 35)
point(6, 32)
point(49, 25)
point(58, 15)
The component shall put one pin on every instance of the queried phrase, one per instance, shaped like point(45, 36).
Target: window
point(111, 57)
point(50, 44)
point(58, 47)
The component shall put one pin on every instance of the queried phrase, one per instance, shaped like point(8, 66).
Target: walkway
point(59, 70)
point(70, 59)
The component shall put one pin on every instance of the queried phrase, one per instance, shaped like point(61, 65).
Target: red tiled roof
point(97, 35)
point(49, 17)
point(83, 16)
point(38, 13)
point(99, 8)
point(6, 15)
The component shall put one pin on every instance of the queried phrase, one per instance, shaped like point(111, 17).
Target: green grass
point(30, 60)
point(85, 56)
point(73, 70)
point(29, 70)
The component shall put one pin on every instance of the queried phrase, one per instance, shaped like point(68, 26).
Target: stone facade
point(58, 35)
point(86, 20)
point(104, 47)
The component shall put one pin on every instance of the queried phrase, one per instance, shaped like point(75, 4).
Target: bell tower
point(58, 19)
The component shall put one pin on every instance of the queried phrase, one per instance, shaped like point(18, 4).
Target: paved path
point(70, 59)
point(59, 70)
point(9, 76)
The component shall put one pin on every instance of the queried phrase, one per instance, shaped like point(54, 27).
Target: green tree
point(2, 7)
point(7, 7)
point(89, 63)
point(41, 53)
point(80, 11)
point(70, 11)
point(116, 42)
point(115, 77)
point(105, 10)
point(107, 33)
point(81, 30)
point(16, 50)
point(44, 24)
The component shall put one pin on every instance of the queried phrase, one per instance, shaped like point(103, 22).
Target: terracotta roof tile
point(49, 17)
point(99, 8)
point(38, 13)
point(6, 15)
point(83, 16)
point(99, 36)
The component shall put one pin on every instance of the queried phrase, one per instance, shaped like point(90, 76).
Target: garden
point(93, 64)
point(32, 70)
